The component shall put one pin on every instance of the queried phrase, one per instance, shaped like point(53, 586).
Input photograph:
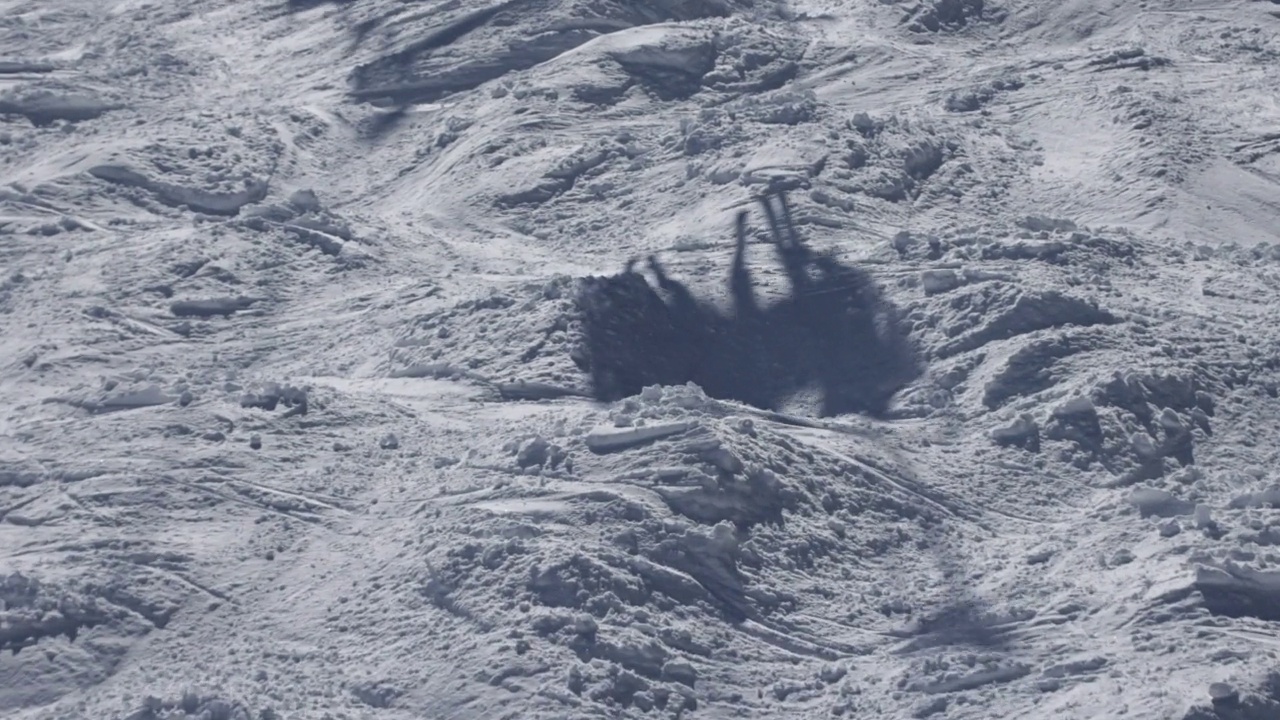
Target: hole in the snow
point(833, 335)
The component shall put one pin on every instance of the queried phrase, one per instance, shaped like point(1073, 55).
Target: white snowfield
point(298, 408)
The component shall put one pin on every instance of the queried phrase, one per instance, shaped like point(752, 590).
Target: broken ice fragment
point(1152, 501)
point(148, 396)
point(607, 439)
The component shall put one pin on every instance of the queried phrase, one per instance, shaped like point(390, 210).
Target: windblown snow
point(381, 360)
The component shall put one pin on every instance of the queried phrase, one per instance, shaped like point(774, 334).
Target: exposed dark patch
point(834, 333)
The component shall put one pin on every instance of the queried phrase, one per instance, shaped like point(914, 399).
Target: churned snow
point(326, 394)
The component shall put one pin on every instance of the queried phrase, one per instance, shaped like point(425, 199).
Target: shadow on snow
point(833, 332)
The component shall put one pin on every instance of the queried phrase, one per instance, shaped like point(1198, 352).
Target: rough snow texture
point(296, 418)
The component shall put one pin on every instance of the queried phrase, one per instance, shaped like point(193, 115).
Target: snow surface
point(297, 421)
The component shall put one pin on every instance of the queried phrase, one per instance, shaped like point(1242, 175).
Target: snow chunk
point(607, 439)
point(145, 397)
point(1151, 501)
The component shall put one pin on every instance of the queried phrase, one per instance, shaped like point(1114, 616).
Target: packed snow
point(654, 359)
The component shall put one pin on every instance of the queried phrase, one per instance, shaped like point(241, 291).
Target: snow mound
point(461, 51)
point(213, 164)
point(692, 521)
point(72, 633)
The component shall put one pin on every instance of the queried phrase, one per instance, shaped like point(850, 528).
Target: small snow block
point(305, 200)
point(144, 397)
point(935, 282)
point(530, 390)
point(1078, 407)
point(208, 307)
point(1024, 432)
point(609, 439)
point(1161, 503)
point(1239, 591)
point(724, 459)
point(680, 671)
point(534, 452)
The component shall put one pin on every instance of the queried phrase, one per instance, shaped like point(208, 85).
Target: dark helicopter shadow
point(834, 332)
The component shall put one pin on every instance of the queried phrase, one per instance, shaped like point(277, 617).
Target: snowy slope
point(296, 418)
